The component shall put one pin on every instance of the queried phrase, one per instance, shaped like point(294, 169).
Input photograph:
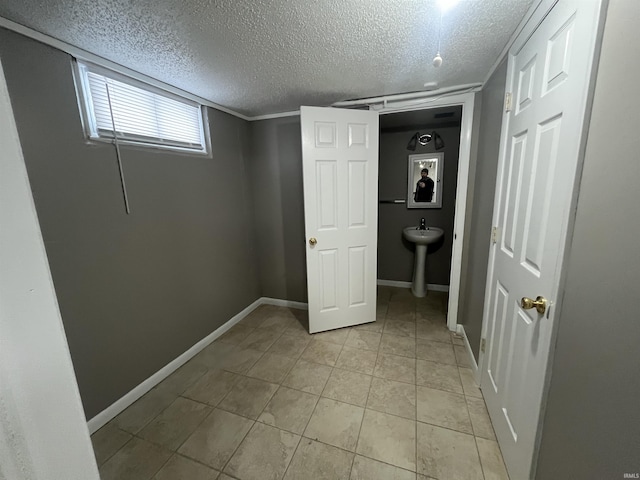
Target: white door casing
point(548, 75)
point(466, 101)
point(340, 178)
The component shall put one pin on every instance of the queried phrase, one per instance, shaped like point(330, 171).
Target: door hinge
point(507, 102)
point(495, 234)
point(483, 345)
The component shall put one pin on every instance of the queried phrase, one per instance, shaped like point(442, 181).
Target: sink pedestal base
point(419, 283)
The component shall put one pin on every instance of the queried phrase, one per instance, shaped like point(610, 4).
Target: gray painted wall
point(275, 178)
point(275, 166)
point(396, 255)
point(592, 421)
point(480, 211)
point(134, 291)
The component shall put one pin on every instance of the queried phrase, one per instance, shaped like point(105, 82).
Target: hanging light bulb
point(437, 60)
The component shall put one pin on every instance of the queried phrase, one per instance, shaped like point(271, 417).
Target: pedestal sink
point(421, 238)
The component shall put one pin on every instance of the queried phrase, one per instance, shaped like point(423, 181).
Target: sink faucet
point(422, 225)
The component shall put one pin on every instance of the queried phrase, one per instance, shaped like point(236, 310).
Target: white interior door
point(340, 170)
point(548, 75)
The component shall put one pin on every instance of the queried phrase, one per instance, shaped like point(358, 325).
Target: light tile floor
point(393, 399)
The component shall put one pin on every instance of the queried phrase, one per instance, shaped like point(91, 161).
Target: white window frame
point(85, 104)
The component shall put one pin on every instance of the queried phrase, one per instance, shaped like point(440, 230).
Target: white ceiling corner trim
point(537, 11)
point(270, 116)
point(81, 54)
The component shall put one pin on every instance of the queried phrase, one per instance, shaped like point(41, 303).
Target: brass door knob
point(540, 304)
point(312, 241)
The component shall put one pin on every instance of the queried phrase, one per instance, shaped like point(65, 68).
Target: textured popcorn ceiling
point(265, 56)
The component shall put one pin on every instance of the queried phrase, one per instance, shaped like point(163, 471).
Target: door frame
point(466, 100)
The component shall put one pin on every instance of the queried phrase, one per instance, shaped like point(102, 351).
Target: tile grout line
point(236, 449)
point(175, 451)
point(342, 449)
point(178, 395)
point(321, 394)
point(252, 419)
point(475, 441)
point(301, 436)
point(196, 428)
point(365, 405)
point(272, 426)
point(355, 453)
point(308, 421)
point(473, 429)
point(194, 460)
point(139, 437)
point(172, 452)
point(221, 400)
point(279, 384)
point(292, 456)
point(162, 466)
point(132, 436)
point(340, 401)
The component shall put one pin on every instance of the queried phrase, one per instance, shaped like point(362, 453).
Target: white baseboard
point(472, 360)
point(284, 303)
point(434, 287)
point(393, 283)
point(113, 410)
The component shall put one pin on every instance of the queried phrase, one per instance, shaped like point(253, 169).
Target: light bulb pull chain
point(437, 60)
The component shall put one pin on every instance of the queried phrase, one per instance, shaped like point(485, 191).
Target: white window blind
point(140, 116)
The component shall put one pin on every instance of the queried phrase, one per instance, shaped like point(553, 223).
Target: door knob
point(540, 304)
point(312, 241)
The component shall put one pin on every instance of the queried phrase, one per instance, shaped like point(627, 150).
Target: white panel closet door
point(548, 75)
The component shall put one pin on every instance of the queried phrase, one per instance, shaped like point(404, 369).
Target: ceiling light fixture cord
point(437, 60)
point(440, 32)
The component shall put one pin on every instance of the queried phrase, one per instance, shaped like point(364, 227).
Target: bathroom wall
point(396, 255)
point(135, 291)
point(591, 419)
point(475, 255)
point(275, 179)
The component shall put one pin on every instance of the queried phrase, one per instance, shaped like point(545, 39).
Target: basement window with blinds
point(129, 111)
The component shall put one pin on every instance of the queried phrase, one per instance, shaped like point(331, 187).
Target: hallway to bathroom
point(393, 399)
